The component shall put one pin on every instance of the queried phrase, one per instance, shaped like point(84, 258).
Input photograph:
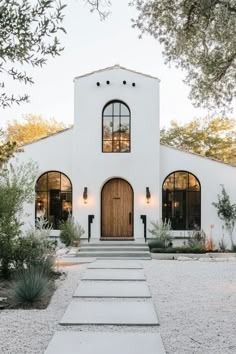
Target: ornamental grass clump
point(161, 232)
point(197, 239)
point(31, 286)
point(36, 249)
point(70, 232)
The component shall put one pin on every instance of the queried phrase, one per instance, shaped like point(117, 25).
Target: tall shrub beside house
point(161, 232)
point(71, 232)
point(226, 212)
point(16, 188)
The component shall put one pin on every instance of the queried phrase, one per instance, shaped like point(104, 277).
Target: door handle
point(130, 218)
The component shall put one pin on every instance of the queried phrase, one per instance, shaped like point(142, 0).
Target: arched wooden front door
point(117, 209)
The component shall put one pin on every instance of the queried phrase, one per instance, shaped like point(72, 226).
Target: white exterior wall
point(51, 154)
point(92, 168)
point(77, 152)
point(211, 174)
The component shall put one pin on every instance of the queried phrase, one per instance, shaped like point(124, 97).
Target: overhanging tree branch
point(28, 36)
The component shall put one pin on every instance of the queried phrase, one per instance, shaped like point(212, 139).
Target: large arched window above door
point(116, 127)
point(181, 201)
point(53, 197)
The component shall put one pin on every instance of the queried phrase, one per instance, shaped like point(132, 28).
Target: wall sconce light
point(40, 204)
point(85, 195)
point(148, 195)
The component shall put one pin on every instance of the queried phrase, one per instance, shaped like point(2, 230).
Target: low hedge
point(179, 250)
point(156, 244)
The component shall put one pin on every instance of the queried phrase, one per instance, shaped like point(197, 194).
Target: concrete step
point(115, 254)
point(112, 289)
point(72, 342)
point(110, 313)
point(113, 243)
point(112, 248)
point(114, 274)
point(115, 264)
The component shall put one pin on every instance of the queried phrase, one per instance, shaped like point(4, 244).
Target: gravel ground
point(195, 302)
point(196, 305)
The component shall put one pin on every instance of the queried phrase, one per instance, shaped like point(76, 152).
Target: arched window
point(116, 127)
point(181, 201)
point(53, 197)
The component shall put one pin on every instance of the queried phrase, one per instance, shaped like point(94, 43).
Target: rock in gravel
point(182, 258)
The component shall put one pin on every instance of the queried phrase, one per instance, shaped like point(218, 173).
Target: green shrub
point(35, 249)
point(226, 212)
point(17, 186)
point(222, 245)
point(47, 265)
point(70, 232)
point(197, 239)
point(162, 250)
point(156, 243)
point(234, 248)
point(161, 231)
point(178, 250)
point(31, 286)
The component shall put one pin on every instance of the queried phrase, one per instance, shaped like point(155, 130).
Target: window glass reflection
point(53, 198)
point(116, 128)
point(42, 183)
point(181, 201)
point(108, 111)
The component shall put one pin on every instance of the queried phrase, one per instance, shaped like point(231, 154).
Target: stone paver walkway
point(105, 343)
point(104, 280)
point(110, 313)
point(115, 264)
point(106, 289)
point(114, 274)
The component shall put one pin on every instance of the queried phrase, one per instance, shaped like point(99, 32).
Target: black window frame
point(184, 195)
point(113, 115)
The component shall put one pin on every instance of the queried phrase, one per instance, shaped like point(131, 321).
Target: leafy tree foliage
point(200, 37)
point(211, 137)
point(27, 37)
point(7, 148)
point(32, 128)
point(100, 6)
point(17, 186)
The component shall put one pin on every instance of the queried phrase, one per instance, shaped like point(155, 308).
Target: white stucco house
point(111, 165)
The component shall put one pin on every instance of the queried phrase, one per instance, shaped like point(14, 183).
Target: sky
point(91, 44)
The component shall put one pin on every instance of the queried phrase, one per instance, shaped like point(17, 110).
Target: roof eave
point(116, 67)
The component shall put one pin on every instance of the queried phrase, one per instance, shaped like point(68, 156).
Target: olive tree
point(28, 37)
point(199, 37)
point(226, 212)
point(17, 186)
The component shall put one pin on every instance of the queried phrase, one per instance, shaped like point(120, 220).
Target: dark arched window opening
point(53, 197)
point(181, 201)
point(116, 127)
